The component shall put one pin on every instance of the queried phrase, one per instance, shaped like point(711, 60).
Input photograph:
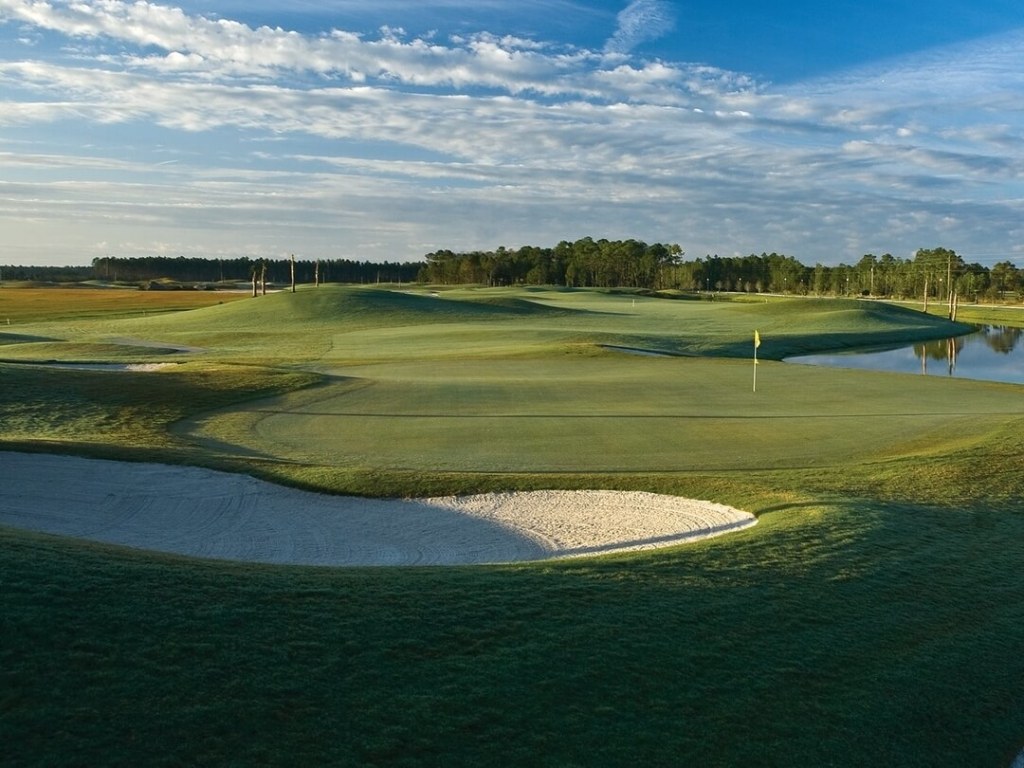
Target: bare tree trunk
point(926, 294)
point(293, 273)
point(949, 274)
point(316, 274)
point(254, 270)
point(263, 278)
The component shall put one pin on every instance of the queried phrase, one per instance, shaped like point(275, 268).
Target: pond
point(993, 353)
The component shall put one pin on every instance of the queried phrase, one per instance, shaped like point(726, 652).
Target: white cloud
point(231, 49)
point(640, 22)
point(487, 139)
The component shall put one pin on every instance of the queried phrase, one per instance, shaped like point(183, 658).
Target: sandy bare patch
point(203, 513)
point(143, 367)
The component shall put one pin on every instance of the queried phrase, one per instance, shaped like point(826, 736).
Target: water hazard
point(993, 353)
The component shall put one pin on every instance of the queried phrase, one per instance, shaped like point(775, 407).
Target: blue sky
point(384, 130)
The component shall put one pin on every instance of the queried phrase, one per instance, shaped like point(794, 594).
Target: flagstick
point(757, 343)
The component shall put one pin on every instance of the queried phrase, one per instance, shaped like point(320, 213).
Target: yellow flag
point(757, 339)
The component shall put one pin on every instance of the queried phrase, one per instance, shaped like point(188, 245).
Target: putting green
point(520, 381)
point(610, 413)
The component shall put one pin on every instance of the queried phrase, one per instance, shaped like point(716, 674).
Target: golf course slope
point(204, 513)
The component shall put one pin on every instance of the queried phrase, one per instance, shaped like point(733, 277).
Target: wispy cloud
point(640, 22)
point(389, 145)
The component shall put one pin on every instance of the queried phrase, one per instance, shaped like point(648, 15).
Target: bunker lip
point(637, 351)
point(135, 367)
point(209, 514)
point(128, 341)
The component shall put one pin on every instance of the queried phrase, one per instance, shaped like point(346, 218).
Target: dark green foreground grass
point(830, 635)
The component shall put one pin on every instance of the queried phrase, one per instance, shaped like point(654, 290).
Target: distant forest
point(586, 262)
point(278, 271)
point(145, 270)
point(633, 263)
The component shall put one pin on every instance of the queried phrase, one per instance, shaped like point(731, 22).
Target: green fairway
point(613, 413)
point(871, 618)
point(539, 382)
point(334, 324)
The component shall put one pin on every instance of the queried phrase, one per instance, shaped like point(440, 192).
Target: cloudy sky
point(385, 129)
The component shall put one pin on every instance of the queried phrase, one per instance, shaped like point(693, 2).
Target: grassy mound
point(359, 308)
point(805, 326)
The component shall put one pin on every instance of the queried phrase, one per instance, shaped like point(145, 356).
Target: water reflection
point(993, 353)
point(1002, 338)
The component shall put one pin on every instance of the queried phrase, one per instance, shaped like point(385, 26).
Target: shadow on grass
point(18, 338)
point(839, 632)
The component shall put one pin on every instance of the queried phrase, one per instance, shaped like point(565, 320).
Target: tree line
point(277, 271)
point(934, 272)
point(584, 263)
point(44, 274)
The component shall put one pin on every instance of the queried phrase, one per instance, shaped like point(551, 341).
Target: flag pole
point(757, 343)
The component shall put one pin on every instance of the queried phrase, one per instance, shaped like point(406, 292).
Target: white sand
point(203, 513)
point(137, 367)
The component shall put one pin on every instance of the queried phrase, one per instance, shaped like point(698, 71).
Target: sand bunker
point(137, 367)
point(203, 513)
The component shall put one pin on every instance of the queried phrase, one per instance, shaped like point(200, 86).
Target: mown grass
point(612, 414)
point(124, 414)
point(870, 618)
point(333, 324)
point(31, 305)
point(986, 314)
